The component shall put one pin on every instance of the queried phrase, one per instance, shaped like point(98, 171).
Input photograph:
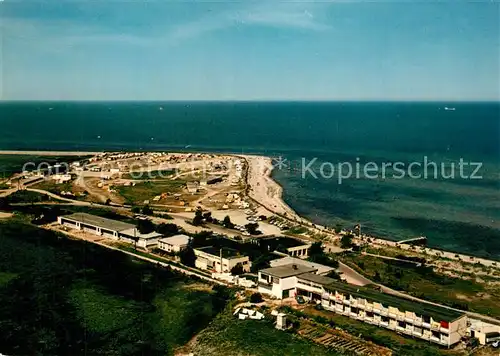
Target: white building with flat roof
point(220, 260)
point(174, 243)
point(114, 229)
point(485, 332)
point(281, 281)
point(320, 269)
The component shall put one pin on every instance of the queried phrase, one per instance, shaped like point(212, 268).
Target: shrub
point(237, 269)
point(256, 298)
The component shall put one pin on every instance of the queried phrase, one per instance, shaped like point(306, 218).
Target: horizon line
point(251, 100)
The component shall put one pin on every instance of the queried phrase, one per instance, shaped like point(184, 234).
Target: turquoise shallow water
point(457, 214)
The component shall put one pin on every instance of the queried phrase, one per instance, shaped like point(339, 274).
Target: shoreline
point(268, 193)
point(263, 189)
point(263, 164)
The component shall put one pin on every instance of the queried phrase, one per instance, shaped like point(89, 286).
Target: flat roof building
point(220, 260)
point(281, 281)
point(321, 269)
point(114, 229)
point(418, 319)
point(485, 332)
point(174, 243)
point(290, 246)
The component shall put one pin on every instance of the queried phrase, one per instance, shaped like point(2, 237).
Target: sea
point(399, 169)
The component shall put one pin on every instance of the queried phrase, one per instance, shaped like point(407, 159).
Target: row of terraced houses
point(421, 320)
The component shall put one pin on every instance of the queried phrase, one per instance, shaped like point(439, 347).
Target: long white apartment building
point(113, 229)
point(420, 320)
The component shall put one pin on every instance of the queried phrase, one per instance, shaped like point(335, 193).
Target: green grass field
point(64, 297)
point(148, 190)
point(26, 196)
point(53, 187)
point(227, 335)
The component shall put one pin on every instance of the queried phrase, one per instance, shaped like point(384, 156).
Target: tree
point(146, 210)
point(187, 256)
point(207, 216)
point(237, 269)
point(136, 210)
point(167, 229)
point(261, 262)
point(316, 249)
point(252, 228)
point(346, 241)
point(338, 228)
point(256, 298)
point(201, 238)
point(318, 255)
point(4, 204)
point(145, 226)
point(227, 222)
point(333, 274)
point(198, 217)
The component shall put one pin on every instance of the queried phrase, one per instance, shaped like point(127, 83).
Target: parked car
point(300, 299)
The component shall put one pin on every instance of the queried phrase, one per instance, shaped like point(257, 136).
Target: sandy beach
point(263, 189)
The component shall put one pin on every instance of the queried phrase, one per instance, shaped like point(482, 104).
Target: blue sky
point(154, 50)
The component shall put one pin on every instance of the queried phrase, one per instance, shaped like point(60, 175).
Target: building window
point(401, 324)
point(385, 319)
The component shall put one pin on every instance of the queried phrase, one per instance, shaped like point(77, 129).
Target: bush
point(346, 241)
point(252, 228)
point(198, 218)
point(167, 229)
point(146, 210)
point(256, 298)
point(237, 269)
point(145, 226)
point(227, 222)
point(187, 256)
